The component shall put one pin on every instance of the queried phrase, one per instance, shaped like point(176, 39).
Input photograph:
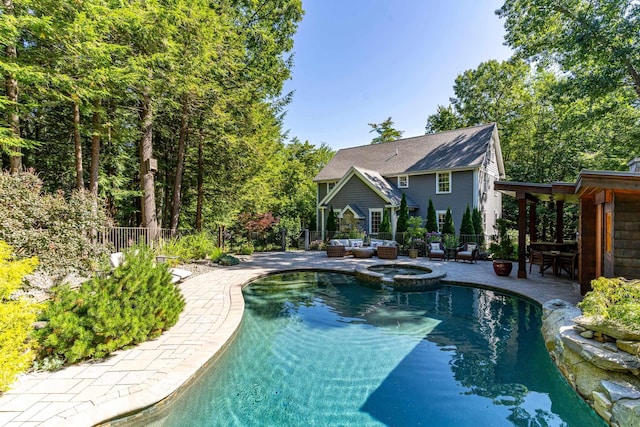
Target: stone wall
point(597, 367)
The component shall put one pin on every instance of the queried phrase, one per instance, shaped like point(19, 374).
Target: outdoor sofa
point(356, 247)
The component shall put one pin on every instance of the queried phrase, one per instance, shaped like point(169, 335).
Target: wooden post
point(559, 221)
point(533, 219)
point(522, 235)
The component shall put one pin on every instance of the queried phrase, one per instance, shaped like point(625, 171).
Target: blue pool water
point(319, 349)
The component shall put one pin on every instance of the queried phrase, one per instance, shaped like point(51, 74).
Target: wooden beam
point(522, 238)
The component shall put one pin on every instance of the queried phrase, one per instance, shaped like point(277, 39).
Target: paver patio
point(94, 392)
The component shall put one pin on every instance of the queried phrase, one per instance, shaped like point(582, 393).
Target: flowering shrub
point(54, 227)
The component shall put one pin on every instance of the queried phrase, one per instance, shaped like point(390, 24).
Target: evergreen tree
point(403, 216)
point(448, 227)
point(466, 228)
point(331, 221)
point(432, 218)
point(476, 219)
point(385, 225)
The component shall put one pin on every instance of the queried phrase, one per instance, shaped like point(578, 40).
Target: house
point(454, 169)
point(608, 224)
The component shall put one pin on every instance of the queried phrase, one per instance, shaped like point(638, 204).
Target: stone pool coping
point(131, 380)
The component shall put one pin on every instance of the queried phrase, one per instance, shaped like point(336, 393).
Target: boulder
point(608, 327)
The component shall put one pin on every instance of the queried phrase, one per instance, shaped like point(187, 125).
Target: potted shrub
point(503, 250)
point(416, 232)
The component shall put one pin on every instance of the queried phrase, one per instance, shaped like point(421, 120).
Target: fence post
point(306, 239)
point(284, 239)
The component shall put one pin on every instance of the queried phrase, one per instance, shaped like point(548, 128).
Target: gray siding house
point(454, 169)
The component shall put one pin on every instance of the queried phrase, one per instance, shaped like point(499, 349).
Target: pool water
point(320, 349)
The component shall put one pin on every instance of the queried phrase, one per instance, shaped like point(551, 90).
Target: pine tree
point(448, 227)
point(403, 216)
point(432, 218)
point(331, 221)
point(385, 225)
point(476, 219)
point(466, 228)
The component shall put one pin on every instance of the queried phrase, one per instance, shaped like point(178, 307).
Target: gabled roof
point(456, 149)
point(390, 194)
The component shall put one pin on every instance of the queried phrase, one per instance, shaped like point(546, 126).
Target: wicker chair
point(336, 251)
point(468, 252)
point(387, 252)
point(433, 253)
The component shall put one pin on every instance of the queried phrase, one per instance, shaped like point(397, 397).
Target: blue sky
point(361, 61)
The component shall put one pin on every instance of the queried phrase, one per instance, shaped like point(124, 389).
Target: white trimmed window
point(403, 181)
point(443, 182)
point(375, 219)
point(441, 215)
point(330, 186)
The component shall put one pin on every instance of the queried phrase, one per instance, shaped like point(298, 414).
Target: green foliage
point(403, 216)
point(432, 218)
point(467, 225)
point(228, 260)
point(51, 227)
point(476, 219)
point(414, 227)
point(450, 241)
point(331, 221)
point(385, 225)
point(385, 130)
point(16, 317)
point(502, 246)
point(136, 302)
point(614, 299)
point(448, 227)
point(200, 245)
point(595, 42)
point(292, 227)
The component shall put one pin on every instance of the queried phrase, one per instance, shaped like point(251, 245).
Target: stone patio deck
point(94, 392)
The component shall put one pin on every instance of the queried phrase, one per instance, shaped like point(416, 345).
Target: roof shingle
point(439, 151)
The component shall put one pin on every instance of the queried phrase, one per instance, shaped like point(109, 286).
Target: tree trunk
point(12, 96)
point(177, 184)
point(149, 216)
point(200, 199)
point(78, 146)
point(95, 150)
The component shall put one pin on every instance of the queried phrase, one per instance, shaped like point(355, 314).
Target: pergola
point(609, 220)
point(530, 194)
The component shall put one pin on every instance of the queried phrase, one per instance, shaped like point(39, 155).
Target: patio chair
point(540, 259)
point(569, 263)
point(387, 252)
point(435, 250)
point(336, 251)
point(468, 252)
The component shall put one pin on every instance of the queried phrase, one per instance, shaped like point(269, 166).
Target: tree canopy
point(385, 130)
point(171, 112)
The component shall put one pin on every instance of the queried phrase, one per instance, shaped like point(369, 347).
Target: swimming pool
point(320, 349)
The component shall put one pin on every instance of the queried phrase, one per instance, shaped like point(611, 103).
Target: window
point(403, 181)
point(441, 215)
point(330, 186)
point(375, 219)
point(443, 182)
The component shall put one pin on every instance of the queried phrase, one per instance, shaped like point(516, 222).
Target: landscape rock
point(607, 327)
point(616, 390)
point(626, 412)
point(631, 347)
